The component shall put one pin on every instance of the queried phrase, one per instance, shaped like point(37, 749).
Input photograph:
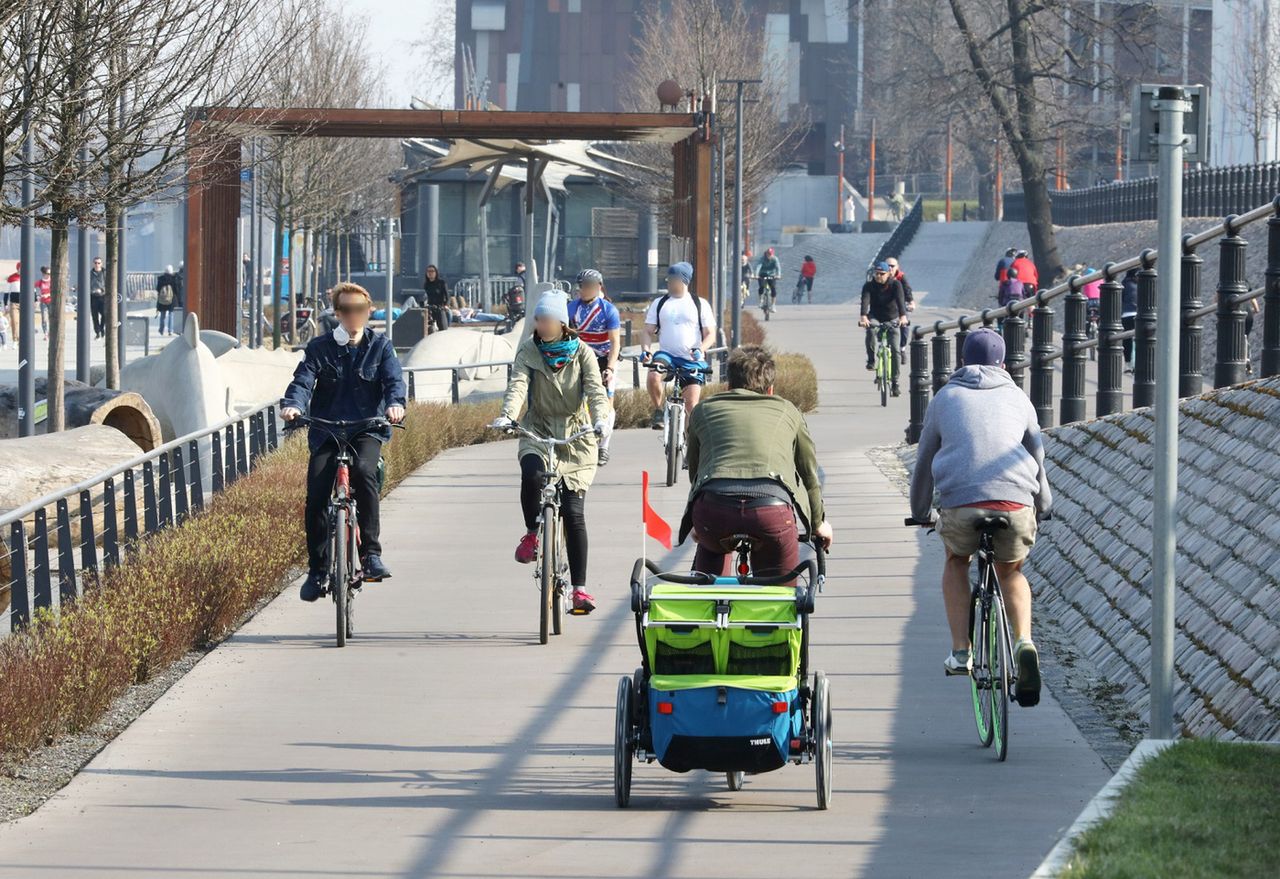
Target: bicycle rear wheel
point(561, 568)
point(338, 575)
point(821, 711)
point(353, 581)
point(623, 743)
point(980, 675)
point(546, 572)
point(1000, 670)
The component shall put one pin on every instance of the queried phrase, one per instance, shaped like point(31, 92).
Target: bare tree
point(437, 55)
point(697, 43)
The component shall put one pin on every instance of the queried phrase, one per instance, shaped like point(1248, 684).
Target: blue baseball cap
point(881, 266)
point(681, 270)
point(983, 347)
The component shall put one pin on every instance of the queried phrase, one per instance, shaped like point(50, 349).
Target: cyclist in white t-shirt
point(684, 325)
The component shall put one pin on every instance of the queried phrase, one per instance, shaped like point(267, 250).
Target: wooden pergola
point(213, 191)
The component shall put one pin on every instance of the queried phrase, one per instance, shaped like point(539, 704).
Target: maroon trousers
point(716, 518)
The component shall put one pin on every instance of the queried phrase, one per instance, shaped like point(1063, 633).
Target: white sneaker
point(958, 662)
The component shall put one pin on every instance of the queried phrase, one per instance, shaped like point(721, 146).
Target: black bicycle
point(552, 567)
point(993, 679)
point(345, 577)
point(674, 437)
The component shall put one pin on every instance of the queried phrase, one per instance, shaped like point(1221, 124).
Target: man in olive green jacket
point(753, 468)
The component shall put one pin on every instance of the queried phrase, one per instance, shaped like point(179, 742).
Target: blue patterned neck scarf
point(557, 354)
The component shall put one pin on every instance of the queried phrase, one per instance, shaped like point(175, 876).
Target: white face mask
point(340, 335)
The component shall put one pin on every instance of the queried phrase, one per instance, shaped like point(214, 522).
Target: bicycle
point(993, 678)
point(673, 414)
point(345, 577)
point(551, 568)
point(768, 296)
point(883, 359)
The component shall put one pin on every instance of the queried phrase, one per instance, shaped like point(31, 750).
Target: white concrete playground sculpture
point(202, 378)
point(459, 345)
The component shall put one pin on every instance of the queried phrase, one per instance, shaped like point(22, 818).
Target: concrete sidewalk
point(443, 741)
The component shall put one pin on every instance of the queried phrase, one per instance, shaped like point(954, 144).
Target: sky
point(393, 27)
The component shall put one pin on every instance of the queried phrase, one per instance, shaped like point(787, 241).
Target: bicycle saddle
point(993, 523)
point(738, 543)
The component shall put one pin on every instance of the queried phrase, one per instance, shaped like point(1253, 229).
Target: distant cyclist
point(1002, 264)
point(349, 374)
point(598, 324)
point(754, 470)
point(981, 450)
point(1027, 272)
point(684, 326)
point(769, 271)
point(556, 384)
point(808, 271)
point(908, 295)
point(883, 301)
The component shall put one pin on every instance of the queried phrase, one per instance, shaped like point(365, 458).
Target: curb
point(1099, 807)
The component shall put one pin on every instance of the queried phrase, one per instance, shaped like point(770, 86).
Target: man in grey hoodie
point(980, 449)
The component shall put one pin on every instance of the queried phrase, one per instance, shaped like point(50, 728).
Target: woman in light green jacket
point(557, 378)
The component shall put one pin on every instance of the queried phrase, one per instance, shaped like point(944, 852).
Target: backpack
point(657, 315)
point(164, 296)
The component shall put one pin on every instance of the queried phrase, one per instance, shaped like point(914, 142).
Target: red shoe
point(527, 550)
point(583, 603)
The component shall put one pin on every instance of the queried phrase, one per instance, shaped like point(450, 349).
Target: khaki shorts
point(958, 528)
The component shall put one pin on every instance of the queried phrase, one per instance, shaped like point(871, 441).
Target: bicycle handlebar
point(362, 424)
point(516, 428)
point(919, 523)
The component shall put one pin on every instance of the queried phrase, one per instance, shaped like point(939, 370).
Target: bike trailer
point(723, 690)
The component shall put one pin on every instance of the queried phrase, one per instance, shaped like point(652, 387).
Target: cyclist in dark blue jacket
point(347, 375)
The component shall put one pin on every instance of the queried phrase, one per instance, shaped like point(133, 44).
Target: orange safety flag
point(654, 525)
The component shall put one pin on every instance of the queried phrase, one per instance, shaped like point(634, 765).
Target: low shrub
point(186, 587)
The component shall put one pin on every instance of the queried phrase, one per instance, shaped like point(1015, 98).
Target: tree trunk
point(59, 259)
point(111, 317)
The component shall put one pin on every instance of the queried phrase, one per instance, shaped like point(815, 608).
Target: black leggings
point(572, 510)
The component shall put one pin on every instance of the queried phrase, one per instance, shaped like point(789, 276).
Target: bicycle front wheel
point(338, 575)
point(1000, 672)
point(547, 550)
point(980, 675)
point(673, 444)
point(561, 567)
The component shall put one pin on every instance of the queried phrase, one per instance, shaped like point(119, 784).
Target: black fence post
point(919, 385)
point(455, 390)
point(1042, 351)
point(1271, 299)
point(1073, 356)
point(67, 592)
point(412, 385)
point(165, 490)
point(1144, 339)
point(242, 450)
point(88, 534)
point(941, 361)
point(273, 438)
point(19, 586)
point(215, 461)
point(1015, 348)
point(1190, 356)
point(229, 456)
point(195, 475)
point(1110, 398)
point(130, 507)
point(42, 594)
point(110, 525)
point(1229, 365)
point(150, 512)
point(179, 487)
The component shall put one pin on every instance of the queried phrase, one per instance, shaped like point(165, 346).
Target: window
point(489, 15)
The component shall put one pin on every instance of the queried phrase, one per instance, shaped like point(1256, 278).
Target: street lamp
point(839, 145)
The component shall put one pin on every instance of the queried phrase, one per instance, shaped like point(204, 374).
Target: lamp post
point(839, 145)
point(735, 336)
point(871, 175)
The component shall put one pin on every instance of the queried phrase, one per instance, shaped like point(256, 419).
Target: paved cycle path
point(444, 741)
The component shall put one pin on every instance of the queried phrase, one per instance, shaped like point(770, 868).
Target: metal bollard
point(1073, 356)
point(1190, 356)
point(1271, 299)
point(1015, 348)
point(1229, 366)
point(941, 361)
point(413, 386)
point(1144, 339)
point(961, 334)
point(1042, 350)
point(919, 385)
point(455, 390)
point(1110, 397)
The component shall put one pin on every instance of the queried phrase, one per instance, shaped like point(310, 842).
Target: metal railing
point(74, 534)
point(1231, 362)
point(902, 234)
point(1209, 192)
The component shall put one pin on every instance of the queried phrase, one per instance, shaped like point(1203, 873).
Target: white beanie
point(553, 303)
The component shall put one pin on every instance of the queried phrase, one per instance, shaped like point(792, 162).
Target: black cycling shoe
point(870, 366)
point(313, 586)
point(895, 391)
point(373, 570)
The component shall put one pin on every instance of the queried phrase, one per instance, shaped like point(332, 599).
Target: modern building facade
point(572, 55)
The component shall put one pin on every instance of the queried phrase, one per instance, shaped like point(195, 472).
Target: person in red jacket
point(1027, 273)
point(808, 271)
point(12, 301)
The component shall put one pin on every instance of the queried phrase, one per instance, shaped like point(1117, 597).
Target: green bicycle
point(883, 360)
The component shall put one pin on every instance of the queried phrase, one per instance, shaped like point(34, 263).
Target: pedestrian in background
point(97, 296)
point(44, 296)
point(15, 301)
point(165, 296)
